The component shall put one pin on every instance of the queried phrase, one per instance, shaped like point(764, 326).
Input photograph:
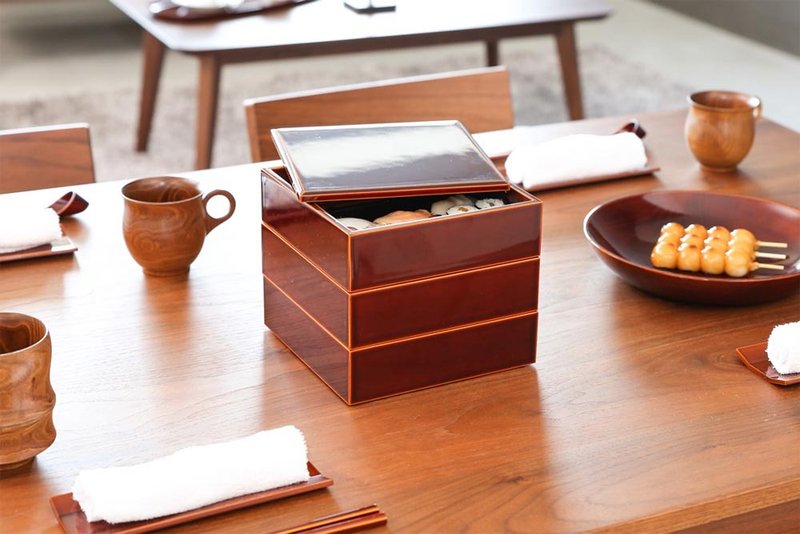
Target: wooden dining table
point(637, 415)
point(324, 27)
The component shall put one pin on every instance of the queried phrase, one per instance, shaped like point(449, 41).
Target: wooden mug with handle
point(720, 128)
point(166, 221)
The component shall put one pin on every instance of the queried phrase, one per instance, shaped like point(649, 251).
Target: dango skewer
point(714, 261)
point(747, 235)
point(738, 263)
point(717, 243)
point(713, 251)
point(735, 263)
point(738, 234)
point(747, 247)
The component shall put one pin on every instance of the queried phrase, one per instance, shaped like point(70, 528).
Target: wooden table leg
point(207, 96)
point(492, 54)
point(153, 56)
point(567, 51)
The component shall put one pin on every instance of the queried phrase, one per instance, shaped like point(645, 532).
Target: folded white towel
point(783, 348)
point(193, 477)
point(570, 158)
point(22, 228)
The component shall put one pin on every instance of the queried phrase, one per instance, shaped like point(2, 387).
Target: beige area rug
point(611, 86)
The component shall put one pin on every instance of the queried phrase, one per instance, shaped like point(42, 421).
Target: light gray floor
point(70, 46)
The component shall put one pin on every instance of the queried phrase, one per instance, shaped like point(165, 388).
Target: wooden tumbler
point(26, 397)
point(720, 128)
point(166, 221)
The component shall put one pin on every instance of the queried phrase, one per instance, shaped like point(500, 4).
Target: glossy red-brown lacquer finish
point(755, 358)
point(623, 232)
point(398, 253)
point(397, 308)
point(400, 310)
point(415, 363)
point(385, 161)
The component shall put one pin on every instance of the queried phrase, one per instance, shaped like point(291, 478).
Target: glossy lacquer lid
point(385, 160)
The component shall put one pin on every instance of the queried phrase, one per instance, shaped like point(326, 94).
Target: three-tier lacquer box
point(396, 308)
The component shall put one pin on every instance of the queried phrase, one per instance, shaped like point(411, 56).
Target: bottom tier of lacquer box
point(399, 366)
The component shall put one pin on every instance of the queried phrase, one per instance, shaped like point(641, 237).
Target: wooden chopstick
point(349, 521)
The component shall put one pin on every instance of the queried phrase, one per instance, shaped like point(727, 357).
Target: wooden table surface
point(320, 24)
point(328, 27)
point(637, 415)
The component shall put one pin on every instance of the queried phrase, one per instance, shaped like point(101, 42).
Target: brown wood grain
point(324, 27)
point(165, 222)
point(777, 519)
point(48, 156)
point(152, 60)
point(26, 396)
point(207, 98)
point(570, 77)
point(480, 99)
point(637, 415)
point(720, 127)
point(344, 522)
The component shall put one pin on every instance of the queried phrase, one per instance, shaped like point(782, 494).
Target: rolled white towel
point(23, 228)
point(193, 477)
point(783, 348)
point(573, 157)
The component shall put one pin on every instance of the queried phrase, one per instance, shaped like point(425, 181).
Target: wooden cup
point(26, 397)
point(166, 221)
point(720, 128)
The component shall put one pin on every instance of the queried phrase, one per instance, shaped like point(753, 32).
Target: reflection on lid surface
point(387, 156)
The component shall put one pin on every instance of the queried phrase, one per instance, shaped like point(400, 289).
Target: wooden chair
point(480, 99)
point(50, 156)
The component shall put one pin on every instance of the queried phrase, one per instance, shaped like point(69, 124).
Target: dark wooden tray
point(73, 521)
point(755, 358)
point(54, 248)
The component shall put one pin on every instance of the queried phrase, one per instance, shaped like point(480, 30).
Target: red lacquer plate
point(73, 521)
point(623, 232)
point(755, 358)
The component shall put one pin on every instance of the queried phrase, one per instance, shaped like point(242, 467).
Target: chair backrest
point(479, 98)
point(50, 156)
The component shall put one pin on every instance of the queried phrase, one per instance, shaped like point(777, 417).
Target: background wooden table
point(328, 27)
point(637, 414)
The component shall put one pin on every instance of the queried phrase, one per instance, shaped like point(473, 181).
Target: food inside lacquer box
point(361, 215)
